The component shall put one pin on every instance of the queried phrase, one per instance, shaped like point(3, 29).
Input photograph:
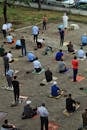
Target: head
point(15, 77)
point(9, 51)
point(75, 57)
point(43, 104)
point(86, 109)
point(22, 36)
point(6, 121)
point(70, 42)
point(81, 48)
point(69, 95)
point(54, 83)
point(62, 59)
point(60, 50)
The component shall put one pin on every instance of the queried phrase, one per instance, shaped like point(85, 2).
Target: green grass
point(21, 16)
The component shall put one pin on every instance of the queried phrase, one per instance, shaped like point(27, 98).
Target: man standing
point(6, 62)
point(23, 46)
point(65, 21)
point(43, 112)
point(61, 33)
point(35, 32)
point(4, 29)
point(84, 117)
point(75, 68)
point(16, 90)
point(44, 22)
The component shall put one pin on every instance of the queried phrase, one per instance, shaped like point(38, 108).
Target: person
point(9, 39)
point(75, 64)
point(2, 50)
point(59, 55)
point(8, 126)
point(28, 112)
point(43, 112)
point(23, 46)
point(9, 76)
point(44, 22)
point(9, 27)
point(40, 43)
point(48, 75)
point(37, 65)
point(10, 56)
point(84, 39)
point(81, 53)
point(6, 62)
point(16, 89)
point(55, 90)
point(65, 21)
point(35, 33)
point(30, 56)
point(70, 104)
point(70, 47)
point(18, 44)
point(61, 33)
point(62, 66)
point(4, 29)
point(84, 118)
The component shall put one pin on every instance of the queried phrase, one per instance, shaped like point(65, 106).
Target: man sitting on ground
point(40, 43)
point(18, 44)
point(30, 56)
point(28, 111)
point(55, 90)
point(9, 39)
point(70, 47)
point(48, 75)
point(37, 65)
point(81, 54)
point(59, 55)
point(71, 104)
point(62, 66)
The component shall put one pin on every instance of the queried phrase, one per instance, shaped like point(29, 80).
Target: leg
point(46, 123)
point(42, 122)
point(22, 51)
point(9, 80)
point(74, 74)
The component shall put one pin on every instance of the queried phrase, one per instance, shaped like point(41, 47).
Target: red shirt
point(75, 64)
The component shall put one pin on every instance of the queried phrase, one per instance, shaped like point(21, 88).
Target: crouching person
point(28, 112)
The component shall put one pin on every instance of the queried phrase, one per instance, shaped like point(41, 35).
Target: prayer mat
point(45, 82)
point(22, 99)
point(65, 43)
point(16, 59)
point(80, 78)
point(57, 97)
point(53, 126)
point(2, 115)
point(34, 72)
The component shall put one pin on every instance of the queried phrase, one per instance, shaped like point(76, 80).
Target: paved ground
point(30, 83)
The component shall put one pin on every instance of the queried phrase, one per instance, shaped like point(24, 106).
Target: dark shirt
point(7, 126)
point(70, 48)
point(15, 84)
point(69, 105)
point(59, 56)
point(61, 32)
point(22, 42)
point(54, 90)
point(6, 60)
point(48, 75)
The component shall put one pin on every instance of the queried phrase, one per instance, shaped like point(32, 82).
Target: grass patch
point(22, 16)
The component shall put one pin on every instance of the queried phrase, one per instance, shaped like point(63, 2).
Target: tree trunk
point(39, 4)
point(5, 11)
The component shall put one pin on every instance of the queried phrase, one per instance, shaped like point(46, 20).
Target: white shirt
point(40, 40)
point(36, 64)
point(35, 30)
point(42, 111)
point(4, 27)
point(9, 25)
point(80, 53)
point(9, 38)
point(10, 56)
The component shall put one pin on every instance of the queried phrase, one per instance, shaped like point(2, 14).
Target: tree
point(5, 11)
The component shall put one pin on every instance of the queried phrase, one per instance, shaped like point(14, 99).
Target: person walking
point(16, 89)
point(61, 33)
point(43, 112)
point(6, 62)
point(44, 22)
point(23, 46)
point(75, 64)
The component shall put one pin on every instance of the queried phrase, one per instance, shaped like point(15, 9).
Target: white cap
point(54, 83)
point(28, 102)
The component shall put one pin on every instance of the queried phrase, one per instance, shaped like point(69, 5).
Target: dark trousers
point(44, 122)
point(4, 33)
point(23, 50)
point(16, 96)
point(35, 38)
point(39, 45)
point(9, 80)
point(75, 71)
point(44, 25)
point(38, 70)
point(61, 41)
point(6, 68)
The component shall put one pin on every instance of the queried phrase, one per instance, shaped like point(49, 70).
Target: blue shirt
point(31, 56)
point(35, 30)
point(18, 43)
point(84, 40)
point(59, 56)
point(54, 90)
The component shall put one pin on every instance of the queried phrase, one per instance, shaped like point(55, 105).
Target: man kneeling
point(28, 112)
